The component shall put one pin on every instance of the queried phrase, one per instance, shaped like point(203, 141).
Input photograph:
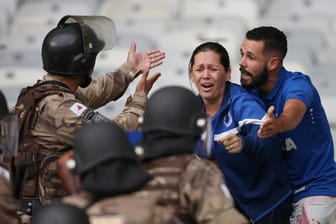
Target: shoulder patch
point(78, 108)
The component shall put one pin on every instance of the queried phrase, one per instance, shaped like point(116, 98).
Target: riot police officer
point(54, 108)
point(112, 178)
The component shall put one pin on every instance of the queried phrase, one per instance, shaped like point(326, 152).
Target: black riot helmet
point(98, 143)
point(60, 213)
point(174, 109)
point(70, 49)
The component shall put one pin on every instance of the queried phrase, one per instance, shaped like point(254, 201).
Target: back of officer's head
point(60, 213)
point(106, 161)
point(173, 109)
point(101, 142)
point(64, 49)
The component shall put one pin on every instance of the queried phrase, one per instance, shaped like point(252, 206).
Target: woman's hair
point(215, 47)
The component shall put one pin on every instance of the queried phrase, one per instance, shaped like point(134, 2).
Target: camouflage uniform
point(134, 208)
point(8, 205)
point(195, 188)
point(54, 124)
point(184, 190)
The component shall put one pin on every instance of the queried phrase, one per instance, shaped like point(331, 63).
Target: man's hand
point(145, 84)
point(270, 126)
point(144, 60)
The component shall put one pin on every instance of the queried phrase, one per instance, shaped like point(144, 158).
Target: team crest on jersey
point(227, 119)
point(78, 108)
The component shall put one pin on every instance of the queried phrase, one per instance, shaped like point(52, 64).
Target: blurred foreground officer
point(55, 107)
point(172, 127)
point(111, 178)
point(59, 213)
point(8, 204)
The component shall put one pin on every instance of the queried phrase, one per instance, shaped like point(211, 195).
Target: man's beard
point(257, 80)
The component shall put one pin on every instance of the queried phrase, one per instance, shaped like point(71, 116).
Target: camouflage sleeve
point(134, 108)
point(8, 205)
point(203, 196)
point(67, 116)
point(62, 116)
point(106, 88)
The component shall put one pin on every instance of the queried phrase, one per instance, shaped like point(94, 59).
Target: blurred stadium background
point(176, 27)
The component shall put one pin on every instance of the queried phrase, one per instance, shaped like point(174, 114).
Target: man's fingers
point(270, 111)
point(133, 47)
point(154, 77)
point(155, 64)
point(156, 59)
point(152, 80)
point(145, 74)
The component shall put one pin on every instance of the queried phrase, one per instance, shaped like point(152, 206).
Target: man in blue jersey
point(296, 115)
point(254, 169)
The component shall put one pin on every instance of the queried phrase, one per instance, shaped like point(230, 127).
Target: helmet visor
point(9, 135)
point(98, 32)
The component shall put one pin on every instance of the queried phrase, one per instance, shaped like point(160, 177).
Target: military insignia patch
point(78, 108)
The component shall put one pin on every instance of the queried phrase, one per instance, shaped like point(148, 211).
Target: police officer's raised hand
point(145, 83)
point(144, 60)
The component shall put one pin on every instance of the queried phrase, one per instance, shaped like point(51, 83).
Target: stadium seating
point(176, 27)
point(13, 78)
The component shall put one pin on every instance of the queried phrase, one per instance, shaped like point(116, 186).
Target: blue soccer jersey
point(309, 147)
